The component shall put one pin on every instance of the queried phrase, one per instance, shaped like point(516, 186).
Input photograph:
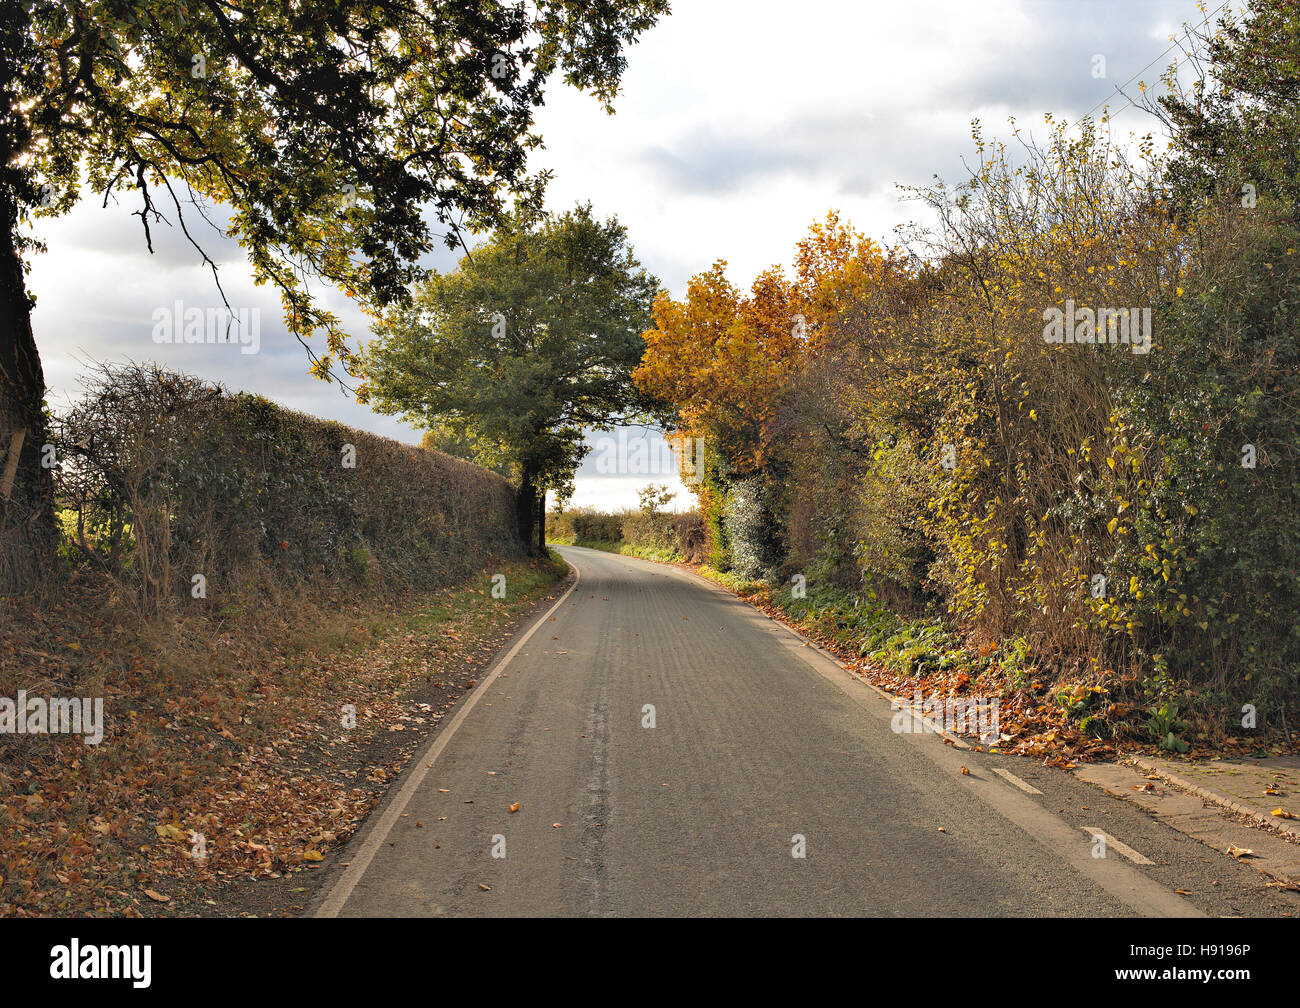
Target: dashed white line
point(1008, 775)
point(1123, 848)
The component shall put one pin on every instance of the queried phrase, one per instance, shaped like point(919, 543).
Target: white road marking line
point(1008, 775)
point(338, 896)
point(1123, 848)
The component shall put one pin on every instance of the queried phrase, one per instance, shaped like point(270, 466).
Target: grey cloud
point(871, 149)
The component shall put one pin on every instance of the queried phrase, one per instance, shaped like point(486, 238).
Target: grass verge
point(227, 768)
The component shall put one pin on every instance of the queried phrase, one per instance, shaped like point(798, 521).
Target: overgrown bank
point(192, 498)
point(268, 611)
point(236, 752)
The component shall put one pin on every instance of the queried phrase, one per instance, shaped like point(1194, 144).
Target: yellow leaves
point(312, 855)
point(168, 831)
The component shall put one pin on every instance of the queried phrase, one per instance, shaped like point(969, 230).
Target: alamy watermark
point(53, 716)
point(179, 325)
point(625, 454)
point(75, 961)
point(960, 715)
point(1130, 327)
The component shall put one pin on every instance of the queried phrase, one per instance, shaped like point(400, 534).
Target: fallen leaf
point(1240, 852)
point(514, 807)
point(312, 855)
point(157, 897)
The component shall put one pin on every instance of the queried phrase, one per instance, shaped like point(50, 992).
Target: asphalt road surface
point(671, 751)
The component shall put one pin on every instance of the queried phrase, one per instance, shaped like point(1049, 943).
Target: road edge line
point(1135, 856)
point(1024, 786)
point(334, 901)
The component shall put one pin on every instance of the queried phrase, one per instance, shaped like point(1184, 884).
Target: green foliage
point(1109, 511)
point(654, 498)
point(673, 538)
point(1164, 723)
point(164, 476)
point(324, 130)
point(344, 138)
point(530, 340)
point(594, 526)
point(361, 564)
point(752, 537)
point(463, 445)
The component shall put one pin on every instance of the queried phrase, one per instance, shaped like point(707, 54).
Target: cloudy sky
point(740, 122)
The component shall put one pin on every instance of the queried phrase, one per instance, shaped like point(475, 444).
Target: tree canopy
point(529, 341)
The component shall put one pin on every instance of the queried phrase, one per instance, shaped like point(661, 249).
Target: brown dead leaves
point(243, 771)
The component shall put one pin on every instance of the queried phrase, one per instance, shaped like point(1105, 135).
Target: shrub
point(163, 476)
point(595, 526)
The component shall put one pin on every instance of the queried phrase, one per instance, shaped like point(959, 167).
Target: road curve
point(757, 740)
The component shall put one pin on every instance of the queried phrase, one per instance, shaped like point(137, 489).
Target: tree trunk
point(541, 523)
point(526, 504)
point(27, 527)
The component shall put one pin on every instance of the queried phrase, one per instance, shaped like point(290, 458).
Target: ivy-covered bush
point(754, 540)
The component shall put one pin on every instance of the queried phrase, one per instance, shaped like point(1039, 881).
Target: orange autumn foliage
point(726, 361)
point(722, 359)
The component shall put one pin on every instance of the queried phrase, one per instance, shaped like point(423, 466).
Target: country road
point(757, 739)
